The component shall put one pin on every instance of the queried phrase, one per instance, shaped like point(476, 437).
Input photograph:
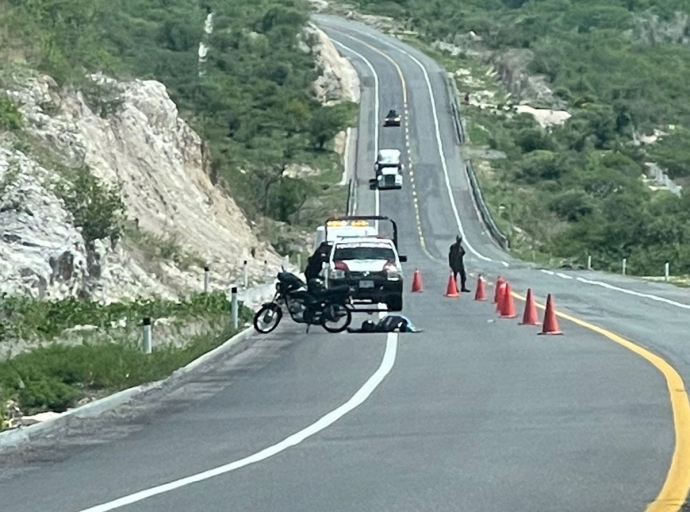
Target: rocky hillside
point(128, 135)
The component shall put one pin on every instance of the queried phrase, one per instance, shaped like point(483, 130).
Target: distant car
point(392, 119)
point(372, 267)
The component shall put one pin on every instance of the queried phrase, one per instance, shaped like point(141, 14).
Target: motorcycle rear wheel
point(339, 312)
point(268, 318)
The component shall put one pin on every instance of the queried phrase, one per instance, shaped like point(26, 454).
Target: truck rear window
point(363, 253)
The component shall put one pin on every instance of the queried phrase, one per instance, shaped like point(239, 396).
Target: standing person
point(456, 255)
point(316, 261)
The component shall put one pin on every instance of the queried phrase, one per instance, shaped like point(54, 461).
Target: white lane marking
point(505, 263)
point(326, 421)
point(547, 272)
point(366, 61)
point(564, 276)
point(636, 294)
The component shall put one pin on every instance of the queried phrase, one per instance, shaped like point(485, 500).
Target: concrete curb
point(16, 436)
point(348, 159)
point(19, 435)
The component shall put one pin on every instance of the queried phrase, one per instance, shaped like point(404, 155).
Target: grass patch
point(27, 318)
point(56, 376)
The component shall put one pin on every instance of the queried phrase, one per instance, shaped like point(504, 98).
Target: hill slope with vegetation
point(619, 67)
point(253, 103)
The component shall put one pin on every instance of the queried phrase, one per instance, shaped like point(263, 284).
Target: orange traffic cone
point(416, 282)
point(550, 321)
point(530, 316)
point(500, 292)
point(452, 288)
point(497, 294)
point(480, 294)
point(507, 304)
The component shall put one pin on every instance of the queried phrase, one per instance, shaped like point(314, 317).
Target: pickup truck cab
point(388, 168)
point(371, 266)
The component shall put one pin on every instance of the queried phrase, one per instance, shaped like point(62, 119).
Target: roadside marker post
point(147, 345)
point(206, 278)
point(667, 271)
point(625, 265)
point(245, 272)
point(235, 308)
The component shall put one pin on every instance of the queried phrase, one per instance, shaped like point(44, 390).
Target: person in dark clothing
point(456, 254)
point(316, 261)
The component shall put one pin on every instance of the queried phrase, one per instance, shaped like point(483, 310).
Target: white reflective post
point(235, 308)
point(147, 344)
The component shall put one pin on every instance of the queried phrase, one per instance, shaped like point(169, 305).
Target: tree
point(327, 123)
point(266, 172)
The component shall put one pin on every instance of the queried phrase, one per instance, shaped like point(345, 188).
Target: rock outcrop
point(161, 165)
point(339, 80)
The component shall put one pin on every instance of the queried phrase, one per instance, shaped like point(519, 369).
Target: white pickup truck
point(370, 265)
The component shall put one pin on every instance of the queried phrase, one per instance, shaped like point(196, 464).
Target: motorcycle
point(313, 305)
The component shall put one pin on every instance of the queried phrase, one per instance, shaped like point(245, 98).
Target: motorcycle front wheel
point(268, 318)
point(336, 318)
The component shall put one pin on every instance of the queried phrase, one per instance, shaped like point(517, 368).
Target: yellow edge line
point(675, 489)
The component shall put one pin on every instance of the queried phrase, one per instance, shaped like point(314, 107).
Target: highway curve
point(476, 413)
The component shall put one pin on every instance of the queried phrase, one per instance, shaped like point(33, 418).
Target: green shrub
point(23, 317)
point(10, 117)
point(97, 208)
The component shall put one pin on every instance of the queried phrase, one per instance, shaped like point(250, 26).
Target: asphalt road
point(476, 413)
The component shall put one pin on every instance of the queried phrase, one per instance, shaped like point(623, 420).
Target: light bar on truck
point(344, 223)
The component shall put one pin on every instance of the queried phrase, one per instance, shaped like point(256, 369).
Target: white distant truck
point(388, 167)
